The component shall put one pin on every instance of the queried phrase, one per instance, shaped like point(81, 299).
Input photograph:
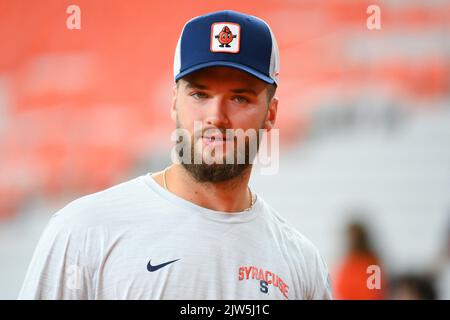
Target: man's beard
point(216, 172)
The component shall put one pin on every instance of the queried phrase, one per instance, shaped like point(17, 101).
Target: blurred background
point(364, 121)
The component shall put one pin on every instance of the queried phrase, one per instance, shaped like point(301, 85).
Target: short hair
point(271, 89)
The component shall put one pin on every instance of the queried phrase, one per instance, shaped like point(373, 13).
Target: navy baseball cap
point(228, 39)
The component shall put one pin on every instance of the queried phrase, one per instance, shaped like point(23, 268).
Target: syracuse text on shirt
point(265, 278)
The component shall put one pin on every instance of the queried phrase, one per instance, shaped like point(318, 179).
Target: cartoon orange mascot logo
point(225, 37)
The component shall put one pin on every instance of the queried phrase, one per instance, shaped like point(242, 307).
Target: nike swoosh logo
point(159, 266)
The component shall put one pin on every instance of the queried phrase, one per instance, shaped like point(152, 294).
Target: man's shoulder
point(286, 232)
point(92, 209)
point(306, 258)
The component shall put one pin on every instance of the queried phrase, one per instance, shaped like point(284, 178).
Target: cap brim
point(235, 65)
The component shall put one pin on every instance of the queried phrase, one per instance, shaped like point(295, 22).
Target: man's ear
point(271, 114)
point(173, 108)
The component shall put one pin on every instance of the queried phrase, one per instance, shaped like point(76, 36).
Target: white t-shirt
point(136, 240)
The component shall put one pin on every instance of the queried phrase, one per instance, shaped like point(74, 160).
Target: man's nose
point(217, 113)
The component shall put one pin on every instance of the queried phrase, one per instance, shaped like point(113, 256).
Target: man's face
point(221, 99)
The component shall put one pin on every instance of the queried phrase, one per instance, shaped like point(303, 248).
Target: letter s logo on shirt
point(263, 288)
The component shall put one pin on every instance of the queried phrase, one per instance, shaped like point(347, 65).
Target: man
point(194, 230)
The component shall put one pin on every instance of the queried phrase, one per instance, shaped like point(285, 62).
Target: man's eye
point(199, 95)
point(240, 99)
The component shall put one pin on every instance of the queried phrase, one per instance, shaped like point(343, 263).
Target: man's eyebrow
point(193, 85)
point(245, 90)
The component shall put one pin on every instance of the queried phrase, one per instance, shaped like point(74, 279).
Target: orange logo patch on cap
point(225, 37)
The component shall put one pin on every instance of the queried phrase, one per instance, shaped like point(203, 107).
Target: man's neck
point(227, 196)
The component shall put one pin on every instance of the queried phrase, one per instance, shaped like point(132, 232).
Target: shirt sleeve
point(321, 282)
point(313, 275)
point(58, 268)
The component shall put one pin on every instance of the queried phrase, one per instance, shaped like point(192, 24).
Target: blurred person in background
point(350, 281)
point(412, 286)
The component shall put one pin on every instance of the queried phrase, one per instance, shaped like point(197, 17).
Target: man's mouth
point(215, 139)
